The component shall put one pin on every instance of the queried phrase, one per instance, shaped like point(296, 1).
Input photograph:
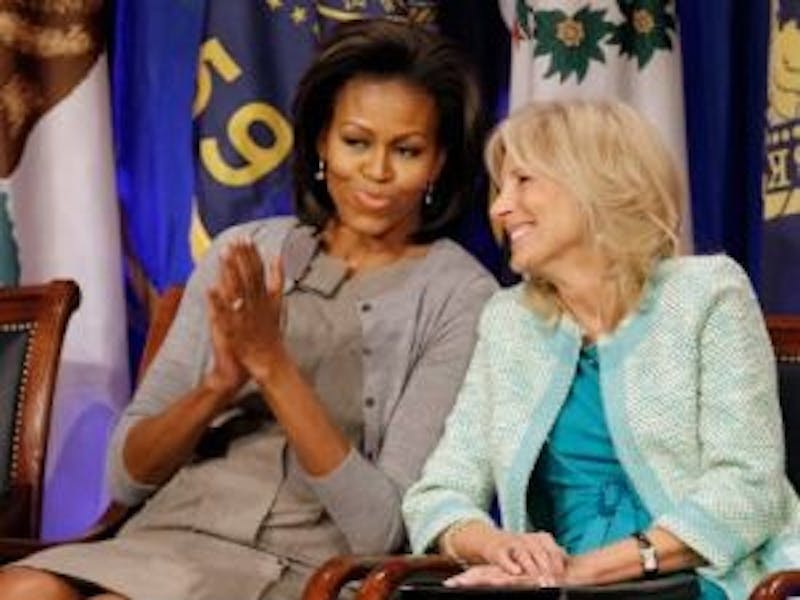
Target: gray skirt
point(175, 565)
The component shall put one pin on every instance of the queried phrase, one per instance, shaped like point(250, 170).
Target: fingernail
point(450, 582)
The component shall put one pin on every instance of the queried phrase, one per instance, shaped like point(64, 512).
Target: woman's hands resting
point(506, 558)
point(534, 559)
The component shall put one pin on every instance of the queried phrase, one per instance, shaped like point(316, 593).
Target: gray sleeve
point(176, 369)
point(183, 357)
point(363, 498)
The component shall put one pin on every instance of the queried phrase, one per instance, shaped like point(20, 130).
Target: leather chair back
point(33, 320)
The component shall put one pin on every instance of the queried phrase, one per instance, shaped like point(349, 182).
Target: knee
point(21, 583)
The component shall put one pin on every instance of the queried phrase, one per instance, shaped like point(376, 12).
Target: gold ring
point(237, 304)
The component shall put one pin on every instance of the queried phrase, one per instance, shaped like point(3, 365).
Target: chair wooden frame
point(21, 545)
point(381, 575)
point(43, 311)
point(784, 331)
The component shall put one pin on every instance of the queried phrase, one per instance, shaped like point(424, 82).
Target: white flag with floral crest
point(625, 49)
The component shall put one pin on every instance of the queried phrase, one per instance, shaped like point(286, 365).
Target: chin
point(516, 267)
point(373, 226)
point(520, 264)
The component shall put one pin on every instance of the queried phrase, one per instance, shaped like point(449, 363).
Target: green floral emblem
point(646, 29)
point(571, 41)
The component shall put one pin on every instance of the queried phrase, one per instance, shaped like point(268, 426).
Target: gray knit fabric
point(396, 344)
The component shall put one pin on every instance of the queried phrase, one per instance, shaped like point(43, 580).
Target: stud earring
point(320, 173)
point(428, 199)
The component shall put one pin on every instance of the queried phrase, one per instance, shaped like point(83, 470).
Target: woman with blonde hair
point(621, 402)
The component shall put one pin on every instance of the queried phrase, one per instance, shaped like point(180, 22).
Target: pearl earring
point(320, 173)
point(428, 199)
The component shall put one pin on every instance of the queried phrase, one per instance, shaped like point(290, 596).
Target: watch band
point(647, 555)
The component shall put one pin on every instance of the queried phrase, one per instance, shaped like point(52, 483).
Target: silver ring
point(237, 304)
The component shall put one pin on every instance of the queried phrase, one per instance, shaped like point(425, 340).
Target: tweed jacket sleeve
point(457, 481)
point(739, 501)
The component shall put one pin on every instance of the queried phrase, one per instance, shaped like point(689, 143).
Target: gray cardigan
point(420, 336)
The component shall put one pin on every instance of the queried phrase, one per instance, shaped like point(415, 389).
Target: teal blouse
point(579, 489)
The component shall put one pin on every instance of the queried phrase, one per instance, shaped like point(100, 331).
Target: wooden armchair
point(33, 320)
point(32, 324)
point(381, 575)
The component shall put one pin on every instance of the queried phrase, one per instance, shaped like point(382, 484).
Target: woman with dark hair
point(313, 359)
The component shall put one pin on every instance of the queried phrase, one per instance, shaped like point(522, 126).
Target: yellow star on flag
point(299, 14)
point(275, 4)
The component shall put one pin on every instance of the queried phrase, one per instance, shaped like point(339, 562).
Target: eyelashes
point(402, 150)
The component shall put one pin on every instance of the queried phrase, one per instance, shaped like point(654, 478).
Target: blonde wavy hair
point(615, 165)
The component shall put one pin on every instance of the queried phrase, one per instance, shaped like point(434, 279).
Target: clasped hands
point(244, 318)
point(516, 559)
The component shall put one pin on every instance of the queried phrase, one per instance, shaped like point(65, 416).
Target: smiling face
point(381, 152)
point(542, 221)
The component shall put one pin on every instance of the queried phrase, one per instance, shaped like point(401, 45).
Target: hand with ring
point(245, 307)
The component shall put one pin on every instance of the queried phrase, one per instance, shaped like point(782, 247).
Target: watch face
point(647, 554)
point(649, 560)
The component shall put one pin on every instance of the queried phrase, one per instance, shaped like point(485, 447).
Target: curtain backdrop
point(724, 67)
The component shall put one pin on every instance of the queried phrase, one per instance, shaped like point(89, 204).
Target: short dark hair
point(392, 50)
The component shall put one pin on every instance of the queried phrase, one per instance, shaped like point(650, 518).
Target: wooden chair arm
point(16, 548)
point(384, 578)
point(380, 574)
point(777, 586)
point(326, 581)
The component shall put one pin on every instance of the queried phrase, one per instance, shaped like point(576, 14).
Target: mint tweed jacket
point(689, 391)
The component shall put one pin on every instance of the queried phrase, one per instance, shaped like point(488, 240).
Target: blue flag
point(155, 57)
point(251, 58)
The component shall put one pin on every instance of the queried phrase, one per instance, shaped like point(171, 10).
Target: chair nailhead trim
point(789, 358)
point(29, 326)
